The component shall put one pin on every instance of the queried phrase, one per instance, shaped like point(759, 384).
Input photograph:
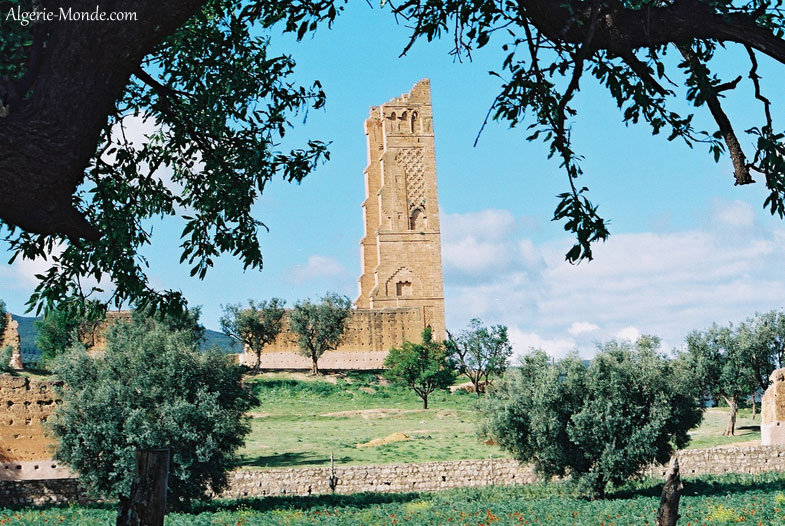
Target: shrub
point(151, 388)
point(424, 367)
point(600, 423)
point(5, 359)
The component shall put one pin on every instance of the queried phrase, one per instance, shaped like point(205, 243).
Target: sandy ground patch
point(395, 437)
point(371, 413)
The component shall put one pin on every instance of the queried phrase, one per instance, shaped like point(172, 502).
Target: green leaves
point(319, 326)
point(480, 352)
point(424, 366)
point(582, 220)
point(214, 104)
point(255, 326)
point(601, 423)
point(151, 388)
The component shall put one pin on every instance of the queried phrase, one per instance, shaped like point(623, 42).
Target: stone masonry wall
point(25, 404)
point(369, 335)
point(10, 337)
point(429, 476)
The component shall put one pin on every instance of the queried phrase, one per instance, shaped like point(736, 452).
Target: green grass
point(296, 423)
point(709, 433)
point(741, 500)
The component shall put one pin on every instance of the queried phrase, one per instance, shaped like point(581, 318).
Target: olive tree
point(254, 326)
point(601, 423)
point(152, 388)
point(319, 327)
point(481, 352)
point(424, 367)
point(721, 360)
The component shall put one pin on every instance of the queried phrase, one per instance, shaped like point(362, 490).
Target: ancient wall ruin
point(772, 407)
point(10, 337)
point(428, 476)
point(368, 336)
point(25, 450)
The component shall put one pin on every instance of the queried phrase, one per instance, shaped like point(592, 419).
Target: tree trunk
point(258, 365)
point(147, 504)
point(314, 367)
point(424, 401)
point(754, 406)
point(733, 405)
point(668, 513)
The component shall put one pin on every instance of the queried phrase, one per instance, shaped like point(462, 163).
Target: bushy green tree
point(319, 326)
point(721, 360)
point(71, 322)
point(763, 335)
point(254, 326)
point(481, 352)
point(424, 367)
point(602, 423)
point(152, 388)
point(5, 359)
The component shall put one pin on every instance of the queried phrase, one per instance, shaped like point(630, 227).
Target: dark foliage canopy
point(74, 186)
point(152, 388)
point(601, 423)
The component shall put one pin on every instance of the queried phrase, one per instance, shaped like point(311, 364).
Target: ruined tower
point(401, 249)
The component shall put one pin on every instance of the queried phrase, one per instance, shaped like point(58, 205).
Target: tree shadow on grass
point(707, 485)
point(261, 504)
point(288, 460)
point(754, 429)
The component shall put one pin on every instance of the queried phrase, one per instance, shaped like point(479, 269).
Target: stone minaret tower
point(401, 250)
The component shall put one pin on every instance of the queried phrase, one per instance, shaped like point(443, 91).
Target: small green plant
point(721, 513)
point(5, 359)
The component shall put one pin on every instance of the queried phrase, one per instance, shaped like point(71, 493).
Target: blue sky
point(687, 247)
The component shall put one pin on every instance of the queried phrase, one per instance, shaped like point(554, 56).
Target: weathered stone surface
point(10, 337)
point(401, 289)
point(26, 404)
point(428, 476)
point(401, 250)
point(772, 429)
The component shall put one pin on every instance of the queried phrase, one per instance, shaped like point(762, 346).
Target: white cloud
point(581, 327)
point(628, 333)
point(733, 213)
point(665, 283)
point(523, 342)
point(316, 267)
point(21, 274)
point(476, 242)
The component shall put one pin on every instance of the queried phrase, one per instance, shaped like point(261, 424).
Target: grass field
point(301, 420)
point(739, 500)
point(709, 433)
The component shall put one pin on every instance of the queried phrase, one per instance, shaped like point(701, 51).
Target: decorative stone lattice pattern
point(410, 160)
point(429, 476)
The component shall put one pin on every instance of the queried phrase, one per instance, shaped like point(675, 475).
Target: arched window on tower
point(413, 122)
point(417, 220)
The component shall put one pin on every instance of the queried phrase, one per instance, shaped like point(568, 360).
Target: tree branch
point(740, 167)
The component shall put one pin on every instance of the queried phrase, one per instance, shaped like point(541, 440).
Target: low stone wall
point(428, 476)
point(20, 493)
point(396, 478)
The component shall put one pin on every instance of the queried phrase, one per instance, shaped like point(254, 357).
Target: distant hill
point(30, 353)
